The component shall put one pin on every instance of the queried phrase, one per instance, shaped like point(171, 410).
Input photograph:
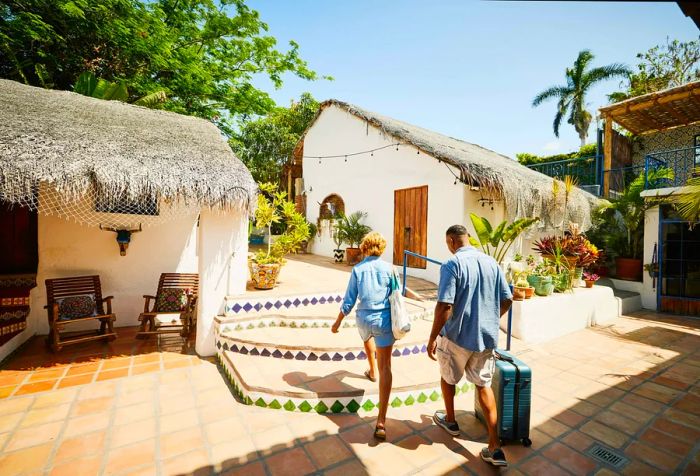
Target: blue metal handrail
point(407, 253)
point(682, 162)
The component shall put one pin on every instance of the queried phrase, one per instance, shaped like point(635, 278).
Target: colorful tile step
point(315, 343)
point(237, 305)
point(329, 386)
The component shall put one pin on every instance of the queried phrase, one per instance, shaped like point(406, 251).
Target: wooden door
point(18, 239)
point(411, 225)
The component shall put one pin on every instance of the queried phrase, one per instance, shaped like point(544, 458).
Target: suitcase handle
point(503, 357)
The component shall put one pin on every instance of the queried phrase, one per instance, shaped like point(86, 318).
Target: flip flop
point(380, 434)
point(371, 379)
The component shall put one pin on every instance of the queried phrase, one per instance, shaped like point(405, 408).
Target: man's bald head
point(456, 237)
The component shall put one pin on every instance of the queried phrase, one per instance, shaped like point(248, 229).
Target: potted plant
point(339, 240)
point(623, 219)
point(273, 207)
point(352, 230)
point(522, 289)
point(497, 241)
point(544, 285)
point(313, 231)
point(590, 279)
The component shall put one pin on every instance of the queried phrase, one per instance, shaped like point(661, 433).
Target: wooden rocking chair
point(174, 308)
point(74, 300)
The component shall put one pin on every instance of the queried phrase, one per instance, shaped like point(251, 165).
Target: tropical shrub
point(497, 241)
point(350, 229)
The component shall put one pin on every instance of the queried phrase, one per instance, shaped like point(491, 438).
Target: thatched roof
point(525, 191)
point(81, 145)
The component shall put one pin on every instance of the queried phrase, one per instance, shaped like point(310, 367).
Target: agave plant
point(497, 241)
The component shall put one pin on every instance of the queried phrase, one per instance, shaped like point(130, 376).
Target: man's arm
point(443, 311)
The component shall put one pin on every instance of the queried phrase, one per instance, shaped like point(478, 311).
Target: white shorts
point(455, 361)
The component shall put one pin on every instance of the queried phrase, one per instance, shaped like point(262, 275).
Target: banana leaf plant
point(497, 241)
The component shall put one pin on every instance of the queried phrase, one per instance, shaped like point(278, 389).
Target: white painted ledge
point(541, 319)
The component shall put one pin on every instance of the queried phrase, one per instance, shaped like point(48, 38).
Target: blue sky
point(466, 69)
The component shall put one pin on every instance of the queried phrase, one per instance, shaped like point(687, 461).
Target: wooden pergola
point(654, 112)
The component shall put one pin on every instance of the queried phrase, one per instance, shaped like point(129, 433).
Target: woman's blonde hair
point(373, 244)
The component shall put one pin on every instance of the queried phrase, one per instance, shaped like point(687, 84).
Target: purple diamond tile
point(300, 356)
point(265, 353)
point(287, 303)
point(406, 351)
point(349, 356)
point(243, 351)
point(305, 302)
point(338, 299)
point(396, 353)
point(325, 357)
point(322, 300)
point(254, 351)
point(247, 307)
point(312, 356)
point(362, 355)
point(218, 344)
point(278, 304)
point(236, 308)
point(288, 355)
point(415, 350)
point(424, 349)
point(234, 348)
point(268, 305)
point(296, 302)
point(258, 306)
point(277, 354)
point(314, 301)
point(337, 357)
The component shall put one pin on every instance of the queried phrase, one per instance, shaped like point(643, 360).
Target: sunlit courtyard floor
point(151, 408)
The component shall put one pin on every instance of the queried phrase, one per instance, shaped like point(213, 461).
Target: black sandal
point(380, 433)
point(370, 378)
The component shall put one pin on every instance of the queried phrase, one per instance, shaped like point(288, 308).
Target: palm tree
point(687, 201)
point(572, 96)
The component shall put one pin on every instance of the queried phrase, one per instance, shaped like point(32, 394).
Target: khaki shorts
point(456, 361)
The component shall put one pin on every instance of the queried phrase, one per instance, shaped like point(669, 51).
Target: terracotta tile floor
point(633, 387)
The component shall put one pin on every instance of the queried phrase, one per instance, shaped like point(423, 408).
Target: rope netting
point(93, 209)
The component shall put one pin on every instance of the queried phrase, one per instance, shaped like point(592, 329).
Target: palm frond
point(605, 72)
point(559, 92)
point(582, 60)
point(152, 100)
point(687, 200)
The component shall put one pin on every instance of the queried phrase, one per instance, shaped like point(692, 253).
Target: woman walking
point(370, 284)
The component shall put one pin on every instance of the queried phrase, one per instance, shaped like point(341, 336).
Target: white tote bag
point(400, 323)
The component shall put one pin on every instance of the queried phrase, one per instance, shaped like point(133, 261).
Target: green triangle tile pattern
point(321, 407)
point(409, 400)
point(395, 403)
point(422, 398)
point(434, 396)
point(368, 405)
point(275, 404)
point(337, 407)
point(260, 403)
point(289, 406)
point(305, 406)
point(353, 406)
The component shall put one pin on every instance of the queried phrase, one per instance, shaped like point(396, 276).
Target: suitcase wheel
point(526, 442)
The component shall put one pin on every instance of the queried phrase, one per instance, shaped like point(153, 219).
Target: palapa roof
point(526, 193)
point(81, 145)
point(658, 111)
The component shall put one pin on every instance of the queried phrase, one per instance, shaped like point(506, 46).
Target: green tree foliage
point(203, 54)
point(89, 85)
point(586, 151)
point(687, 199)
point(265, 144)
point(662, 67)
point(571, 97)
point(497, 241)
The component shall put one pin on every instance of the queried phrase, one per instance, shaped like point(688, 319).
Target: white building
point(70, 164)
point(414, 183)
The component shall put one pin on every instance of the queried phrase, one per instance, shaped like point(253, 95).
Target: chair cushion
point(171, 300)
point(75, 307)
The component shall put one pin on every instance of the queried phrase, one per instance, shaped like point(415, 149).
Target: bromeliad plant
point(273, 207)
point(497, 241)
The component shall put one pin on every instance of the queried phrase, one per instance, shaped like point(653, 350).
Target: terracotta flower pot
point(589, 283)
point(529, 292)
point(264, 276)
point(518, 293)
point(629, 269)
point(353, 256)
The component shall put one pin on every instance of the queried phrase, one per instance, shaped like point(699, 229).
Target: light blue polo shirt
point(475, 286)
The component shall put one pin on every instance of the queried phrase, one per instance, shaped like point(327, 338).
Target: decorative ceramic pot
point(589, 283)
point(264, 276)
point(339, 255)
point(544, 287)
point(578, 277)
point(628, 269)
point(529, 292)
point(353, 256)
point(533, 279)
point(518, 293)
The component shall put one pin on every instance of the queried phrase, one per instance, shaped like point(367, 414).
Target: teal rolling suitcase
point(512, 388)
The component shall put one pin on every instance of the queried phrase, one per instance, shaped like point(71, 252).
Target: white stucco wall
point(368, 183)
point(223, 252)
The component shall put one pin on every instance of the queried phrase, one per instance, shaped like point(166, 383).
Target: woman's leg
point(385, 381)
point(370, 350)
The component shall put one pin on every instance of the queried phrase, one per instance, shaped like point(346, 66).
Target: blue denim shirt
point(370, 284)
point(475, 286)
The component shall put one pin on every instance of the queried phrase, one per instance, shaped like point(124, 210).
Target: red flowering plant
point(590, 277)
point(574, 247)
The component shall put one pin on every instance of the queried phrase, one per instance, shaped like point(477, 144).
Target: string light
point(352, 154)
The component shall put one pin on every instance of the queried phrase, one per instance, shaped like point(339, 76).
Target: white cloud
point(552, 146)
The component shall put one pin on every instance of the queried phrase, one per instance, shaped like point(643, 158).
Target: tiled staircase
point(279, 353)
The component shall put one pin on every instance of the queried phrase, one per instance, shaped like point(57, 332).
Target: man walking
point(472, 296)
